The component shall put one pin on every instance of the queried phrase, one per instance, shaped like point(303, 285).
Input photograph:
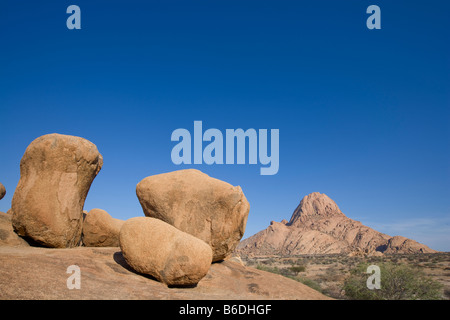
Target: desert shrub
point(423, 259)
point(288, 273)
point(268, 269)
point(288, 261)
point(297, 269)
point(249, 263)
point(310, 283)
point(447, 293)
point(398, 282)
point(269, 261)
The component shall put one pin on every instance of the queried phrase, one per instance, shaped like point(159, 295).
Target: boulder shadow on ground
point(31, 242)
point(120, 260)
point(186, 286)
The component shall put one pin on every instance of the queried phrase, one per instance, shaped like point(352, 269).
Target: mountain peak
point(318, 226)
point(314, 206)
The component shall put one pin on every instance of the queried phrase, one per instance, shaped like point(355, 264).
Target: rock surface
point(56, 173)
point(7, 235)
point(2, 191)
point(404, 245)
point(207, 208)
point(153, 247)
point(100, 229)
point(106, 276)
point(318, 226)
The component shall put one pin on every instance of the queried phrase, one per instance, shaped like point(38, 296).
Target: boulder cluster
point(191, 219)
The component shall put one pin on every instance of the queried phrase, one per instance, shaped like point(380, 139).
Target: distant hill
point(318, 226)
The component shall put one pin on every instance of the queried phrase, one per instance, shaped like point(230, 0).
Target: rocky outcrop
point(313, 207)
point(2, 191)
point(153, 247)
point(191, 201)
point(106, 276)
point(100, 229)
point(318, 226)
point(404, 245)
point(7, 235)
point(56, 173)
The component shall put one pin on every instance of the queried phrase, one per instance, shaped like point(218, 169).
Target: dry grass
point(327, 273)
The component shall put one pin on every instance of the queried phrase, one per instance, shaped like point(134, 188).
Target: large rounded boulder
point(207, 208)
point(153, 247)
point(56, 173)
point(100, 229)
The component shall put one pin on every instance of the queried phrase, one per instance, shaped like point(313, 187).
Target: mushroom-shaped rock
point(56, 173)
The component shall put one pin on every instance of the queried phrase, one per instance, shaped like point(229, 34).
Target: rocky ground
point(41, 273)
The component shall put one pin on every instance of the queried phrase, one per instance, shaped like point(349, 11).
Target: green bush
point(268, 269)
point(288, 273)
point(398, 282)
point(297, 269)
point(310, 283)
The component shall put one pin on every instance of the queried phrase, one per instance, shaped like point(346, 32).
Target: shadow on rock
point(120, 260)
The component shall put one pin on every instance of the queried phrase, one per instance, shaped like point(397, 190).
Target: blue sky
point(363, 114)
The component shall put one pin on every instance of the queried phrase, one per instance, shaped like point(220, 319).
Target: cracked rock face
point(207, 208)
point(56, 173)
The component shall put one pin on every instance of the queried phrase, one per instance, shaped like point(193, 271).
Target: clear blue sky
point(363, 114)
